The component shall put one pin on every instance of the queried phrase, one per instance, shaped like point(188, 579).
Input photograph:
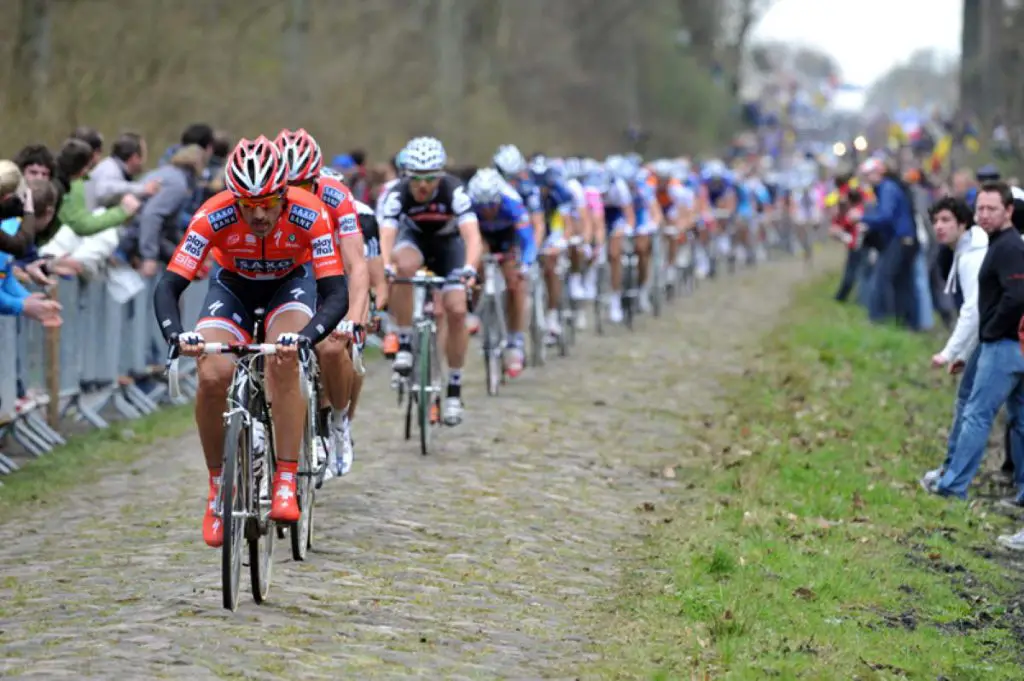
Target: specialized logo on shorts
point(186, 261)
point(332, 196)
point(348, 224)
point(259, 266)
point(225, 217)
point(323, 246)
point(194, 245)
point(302, 216)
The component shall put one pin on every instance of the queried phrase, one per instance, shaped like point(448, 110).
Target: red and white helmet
point(301, 154)
point(255, 168)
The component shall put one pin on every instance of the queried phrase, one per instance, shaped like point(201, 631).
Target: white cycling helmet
point(662, 168)
point(509, 160)
point(485, 187)
point(573, 168)
point(424, 154)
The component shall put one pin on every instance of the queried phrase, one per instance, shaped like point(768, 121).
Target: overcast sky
point(866, 37)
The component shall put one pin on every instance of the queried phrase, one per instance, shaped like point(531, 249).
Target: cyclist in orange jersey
point(274, 249)
point(302, 156)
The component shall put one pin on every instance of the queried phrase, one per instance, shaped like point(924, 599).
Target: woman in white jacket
point(951, 219)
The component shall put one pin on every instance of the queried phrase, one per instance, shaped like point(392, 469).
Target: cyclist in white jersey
point(584, 222)
point(620, 219)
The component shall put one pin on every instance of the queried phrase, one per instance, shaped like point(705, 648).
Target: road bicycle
point(243, 499)
point(422, 386)
point(491, 310)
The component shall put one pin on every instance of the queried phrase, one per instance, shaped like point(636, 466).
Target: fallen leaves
point(805, 593)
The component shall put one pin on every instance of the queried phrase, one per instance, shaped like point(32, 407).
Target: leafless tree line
point(563, 76)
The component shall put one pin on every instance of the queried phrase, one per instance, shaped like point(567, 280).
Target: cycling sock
point(455, 383)
point(288, 467)
point(405, 337)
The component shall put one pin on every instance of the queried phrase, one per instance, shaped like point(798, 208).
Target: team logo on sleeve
point(332, 196)
point(323, 246)
point(225, 217)
point(348, 224)
point(302, 216)
point(194, 245)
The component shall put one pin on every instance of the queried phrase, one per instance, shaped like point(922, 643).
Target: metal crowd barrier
point(110, 357)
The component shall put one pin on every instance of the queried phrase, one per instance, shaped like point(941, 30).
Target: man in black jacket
point(999, 378)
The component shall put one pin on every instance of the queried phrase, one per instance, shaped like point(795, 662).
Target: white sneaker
point(1014, 542)
point(576, 290)
point(615, 315)
point(403, 361)
point(930, 479)
point(451, 411)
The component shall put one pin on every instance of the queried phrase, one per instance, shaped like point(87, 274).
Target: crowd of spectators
point(916, 250)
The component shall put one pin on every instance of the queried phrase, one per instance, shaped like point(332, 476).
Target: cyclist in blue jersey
point(720, 199)
point(512, 165)
point(505, 228)
point(557, 205)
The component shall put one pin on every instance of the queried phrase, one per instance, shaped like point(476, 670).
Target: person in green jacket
point(73, 162)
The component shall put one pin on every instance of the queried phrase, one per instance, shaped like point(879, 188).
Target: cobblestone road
point(483, 561)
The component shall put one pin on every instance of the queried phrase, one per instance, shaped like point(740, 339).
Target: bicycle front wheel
point(492, 345)
point(425, 395)
point(232, 509)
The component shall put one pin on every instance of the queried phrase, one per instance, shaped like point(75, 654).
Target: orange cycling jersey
point(338, 199)
point(304, 232)
point(664, 194)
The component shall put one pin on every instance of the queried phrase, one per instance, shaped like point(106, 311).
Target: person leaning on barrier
point(15, 300)
point(72, 168)
point(113, 177)
point(17, 214)
point(95, 141)
point(153, 234)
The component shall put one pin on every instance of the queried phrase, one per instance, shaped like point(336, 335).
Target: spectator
point(36, 162)
point(112, 177)
point(154, 233)
point(999, 374)
point(952, 220)
point(17, 212)
point(15, 300)
point(846, 228)
point(357, 179)
point(892, 219)
point(215, 167)
point(73, 166)
point(202, 135)
point(95, 141)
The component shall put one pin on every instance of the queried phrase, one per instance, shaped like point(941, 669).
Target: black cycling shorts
point(442, 254)
point(232, 300)
point(502, 241)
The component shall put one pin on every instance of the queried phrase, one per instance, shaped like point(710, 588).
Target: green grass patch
point(86, 457)
point(811, 552)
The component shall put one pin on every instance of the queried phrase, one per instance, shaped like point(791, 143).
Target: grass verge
point(85, 457)
point(810, 551)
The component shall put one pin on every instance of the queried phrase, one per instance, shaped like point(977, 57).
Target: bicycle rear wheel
point(260, 531)
point(599, 300)
point(425, 396)
point(232, 493)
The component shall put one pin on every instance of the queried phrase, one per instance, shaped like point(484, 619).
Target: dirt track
point(484, 561)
